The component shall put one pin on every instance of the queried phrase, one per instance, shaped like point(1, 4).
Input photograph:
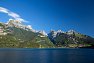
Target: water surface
point(65, 55)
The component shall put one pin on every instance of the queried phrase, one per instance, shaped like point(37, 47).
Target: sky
point(49, 15)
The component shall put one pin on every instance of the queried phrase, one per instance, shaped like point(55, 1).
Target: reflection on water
point(46, 56)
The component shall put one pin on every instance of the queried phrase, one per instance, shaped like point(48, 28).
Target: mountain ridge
point(15, 34)
point(71, 39)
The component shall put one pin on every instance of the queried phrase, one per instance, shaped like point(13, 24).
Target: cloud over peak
point(12, 14)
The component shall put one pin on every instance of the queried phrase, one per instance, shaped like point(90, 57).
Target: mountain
point(70, 38)
point(16, 35)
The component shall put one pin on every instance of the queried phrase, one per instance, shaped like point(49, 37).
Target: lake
point(53, 55)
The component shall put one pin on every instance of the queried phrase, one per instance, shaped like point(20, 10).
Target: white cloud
point(12, 14)
point(15, 16)
point(3, 10)
point(20, 19)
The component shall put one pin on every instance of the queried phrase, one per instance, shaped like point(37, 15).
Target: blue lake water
point(65, 55)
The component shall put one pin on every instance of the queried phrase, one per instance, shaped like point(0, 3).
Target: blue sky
point(53, 14)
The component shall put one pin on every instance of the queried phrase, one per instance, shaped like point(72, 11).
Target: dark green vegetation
point(20, 38)
point(71, 39)
point(17, 36)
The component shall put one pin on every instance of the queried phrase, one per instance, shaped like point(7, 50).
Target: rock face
point(70, 39)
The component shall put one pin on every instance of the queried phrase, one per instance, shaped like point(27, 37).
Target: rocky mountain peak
point(43, 33)
point(71, 32)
